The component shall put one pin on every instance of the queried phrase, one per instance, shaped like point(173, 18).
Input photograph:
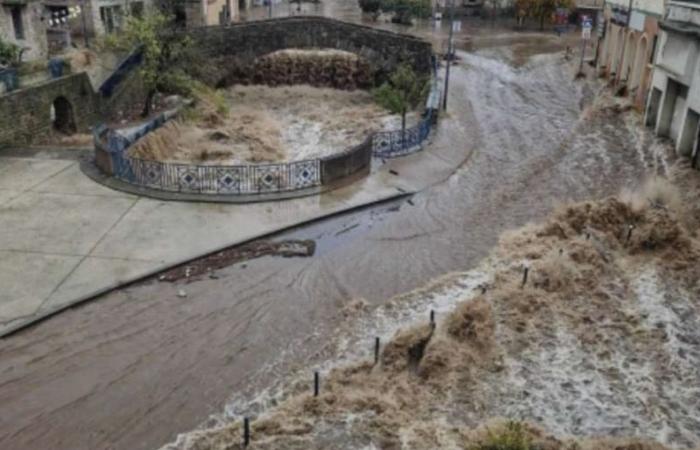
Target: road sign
point(457, 25)
point(586, 33)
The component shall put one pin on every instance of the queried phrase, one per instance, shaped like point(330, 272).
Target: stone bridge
point(233, 49)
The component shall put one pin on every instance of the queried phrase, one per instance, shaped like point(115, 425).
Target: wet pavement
point(142, 364)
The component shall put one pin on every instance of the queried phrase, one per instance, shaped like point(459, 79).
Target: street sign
point(586, 33)
point(457, 25)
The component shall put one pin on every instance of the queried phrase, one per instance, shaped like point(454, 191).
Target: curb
point(40, 317)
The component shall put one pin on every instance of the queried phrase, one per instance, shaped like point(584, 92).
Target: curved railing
point(248, 179)
point(111, 156)
point(395, 143)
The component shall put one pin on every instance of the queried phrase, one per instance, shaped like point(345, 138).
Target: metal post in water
point(246, 431)
point(525, 271)
point(317, 383)
point(629, 233)
point(376, 350)
point(449, 55)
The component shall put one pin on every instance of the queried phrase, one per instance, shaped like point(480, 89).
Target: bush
point(513, 436)
point(9, 54)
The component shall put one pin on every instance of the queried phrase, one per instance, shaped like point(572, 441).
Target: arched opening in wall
point(628, 57)
point(607, 46)
point(62, 117)
point(619, 46)
point(639, 63)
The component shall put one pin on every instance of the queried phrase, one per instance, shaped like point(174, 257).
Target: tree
point(539, 9)
point(166, 53)
point(404, 91)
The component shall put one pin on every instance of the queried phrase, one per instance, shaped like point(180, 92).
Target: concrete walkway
point(65, 238)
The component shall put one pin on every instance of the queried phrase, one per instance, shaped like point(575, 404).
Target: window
point(16, 12)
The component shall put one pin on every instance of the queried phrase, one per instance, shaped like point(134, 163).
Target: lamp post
point(449, 55)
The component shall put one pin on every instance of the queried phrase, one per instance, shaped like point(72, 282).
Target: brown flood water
point(137, 366)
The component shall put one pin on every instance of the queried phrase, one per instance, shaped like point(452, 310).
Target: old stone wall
point(32, 36)
point(233, 49)
point(25, 114)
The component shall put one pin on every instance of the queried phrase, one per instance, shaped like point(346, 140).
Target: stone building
point(674, 104)
point(627, 50)
point(211, 12)
point(22, 23)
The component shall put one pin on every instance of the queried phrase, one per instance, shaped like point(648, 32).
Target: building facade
point(211, 12)
point(626, 53)
point(22, 23)
point(674, 103)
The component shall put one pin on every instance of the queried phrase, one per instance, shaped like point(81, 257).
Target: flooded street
point(136, 367)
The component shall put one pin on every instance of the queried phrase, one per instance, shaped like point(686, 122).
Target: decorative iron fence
point(391, 144)
point(112, 157)
point(215, 179)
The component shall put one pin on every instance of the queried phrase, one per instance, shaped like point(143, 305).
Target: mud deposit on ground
point(193, 270)
point(599, 341)
point(268, 124)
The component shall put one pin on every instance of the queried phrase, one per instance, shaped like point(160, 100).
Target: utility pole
point(449, 55)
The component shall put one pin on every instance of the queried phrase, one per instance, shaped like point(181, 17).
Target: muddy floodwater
point(271, 124)
point(140, 365)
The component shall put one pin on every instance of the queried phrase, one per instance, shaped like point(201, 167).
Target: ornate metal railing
point(238, 180)
point(215, 179)
point(391, 144)
point(113, 158)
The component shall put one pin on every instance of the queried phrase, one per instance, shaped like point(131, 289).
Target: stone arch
point(234, 48)
point(640, 59)
point(617, 54)
point(62, 117)
point(628, 57)
point(608, 46)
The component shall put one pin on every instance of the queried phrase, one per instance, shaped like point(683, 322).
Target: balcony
point(684, 14)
